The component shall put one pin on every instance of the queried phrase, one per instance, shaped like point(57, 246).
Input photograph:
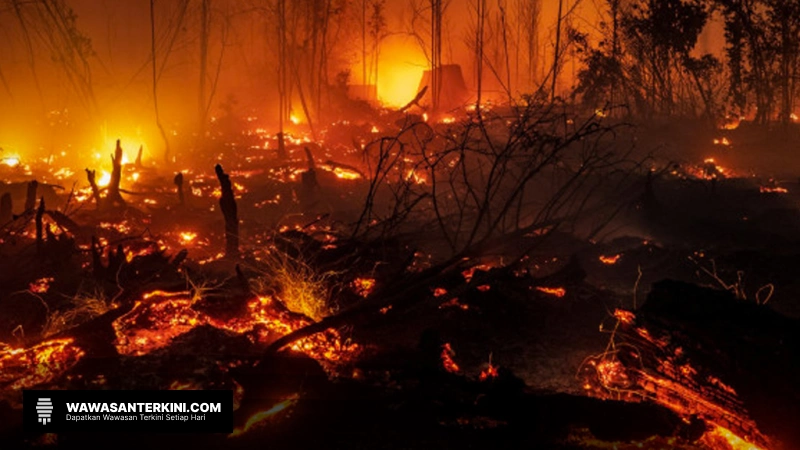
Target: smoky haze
point(78, 73)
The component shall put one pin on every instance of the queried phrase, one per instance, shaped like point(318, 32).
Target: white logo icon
point(44, 408)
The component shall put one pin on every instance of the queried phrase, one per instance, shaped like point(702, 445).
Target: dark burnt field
point(504, 278)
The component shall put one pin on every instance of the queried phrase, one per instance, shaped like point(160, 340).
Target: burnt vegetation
point(428, 273)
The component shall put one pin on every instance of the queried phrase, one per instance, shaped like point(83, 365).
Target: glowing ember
point(724, 141)
point(375, 129)
point(153, 325)
point(346, 174)
point(448, 120)
point(554, 291)
point(187, 237)
point(610, 260)
point(258, 419)
point(363, 286)
point(447, 359)
point(721, 438)
point(670, 381)
point(294, 119)
point(161, 317)
point(454, 303)
point(22, 368)
point(490, 372)
point(773, 190)
point(40, 286)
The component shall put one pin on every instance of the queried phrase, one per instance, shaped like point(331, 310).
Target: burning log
point(704, 353)
point(227, 204)
point(6, 209)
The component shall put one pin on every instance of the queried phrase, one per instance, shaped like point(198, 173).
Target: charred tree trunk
point(39, 227)
point(179, 183)
point(227, 204)
point(282, 155)
point(30, 198)
point(91, 176)
point(114, 198)
point(139, 157)
point(6, 209)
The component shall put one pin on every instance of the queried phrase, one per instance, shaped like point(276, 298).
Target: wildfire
point(10, 161)
point(610, 260)
point(22, 368)
point(257, 419)
point(294, 119)
point(447, 359)
point(104, 180)
point(554, 291)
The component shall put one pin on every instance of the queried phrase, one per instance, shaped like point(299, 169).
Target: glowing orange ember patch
point(489, 372)
point(721, 438)
point(610, 260)
point(363, 286)
point(438, 292)
point(773, 190)
point(554, 291)
point(447, 359)
point(187, 237)
point(346, 174)
point(40, 286)
point(154, 323)
point(724, 141)
point(294, 119)
point(258, 418)
point(623, 316)
point(22, 368)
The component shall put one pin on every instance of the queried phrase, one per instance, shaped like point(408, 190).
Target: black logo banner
point(128, 411)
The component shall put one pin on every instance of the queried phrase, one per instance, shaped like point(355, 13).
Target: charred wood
point(227, 203)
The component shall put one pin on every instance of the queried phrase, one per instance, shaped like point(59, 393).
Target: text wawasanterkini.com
point(140, 411)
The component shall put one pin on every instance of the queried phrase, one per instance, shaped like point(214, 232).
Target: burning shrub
point(301, 287)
